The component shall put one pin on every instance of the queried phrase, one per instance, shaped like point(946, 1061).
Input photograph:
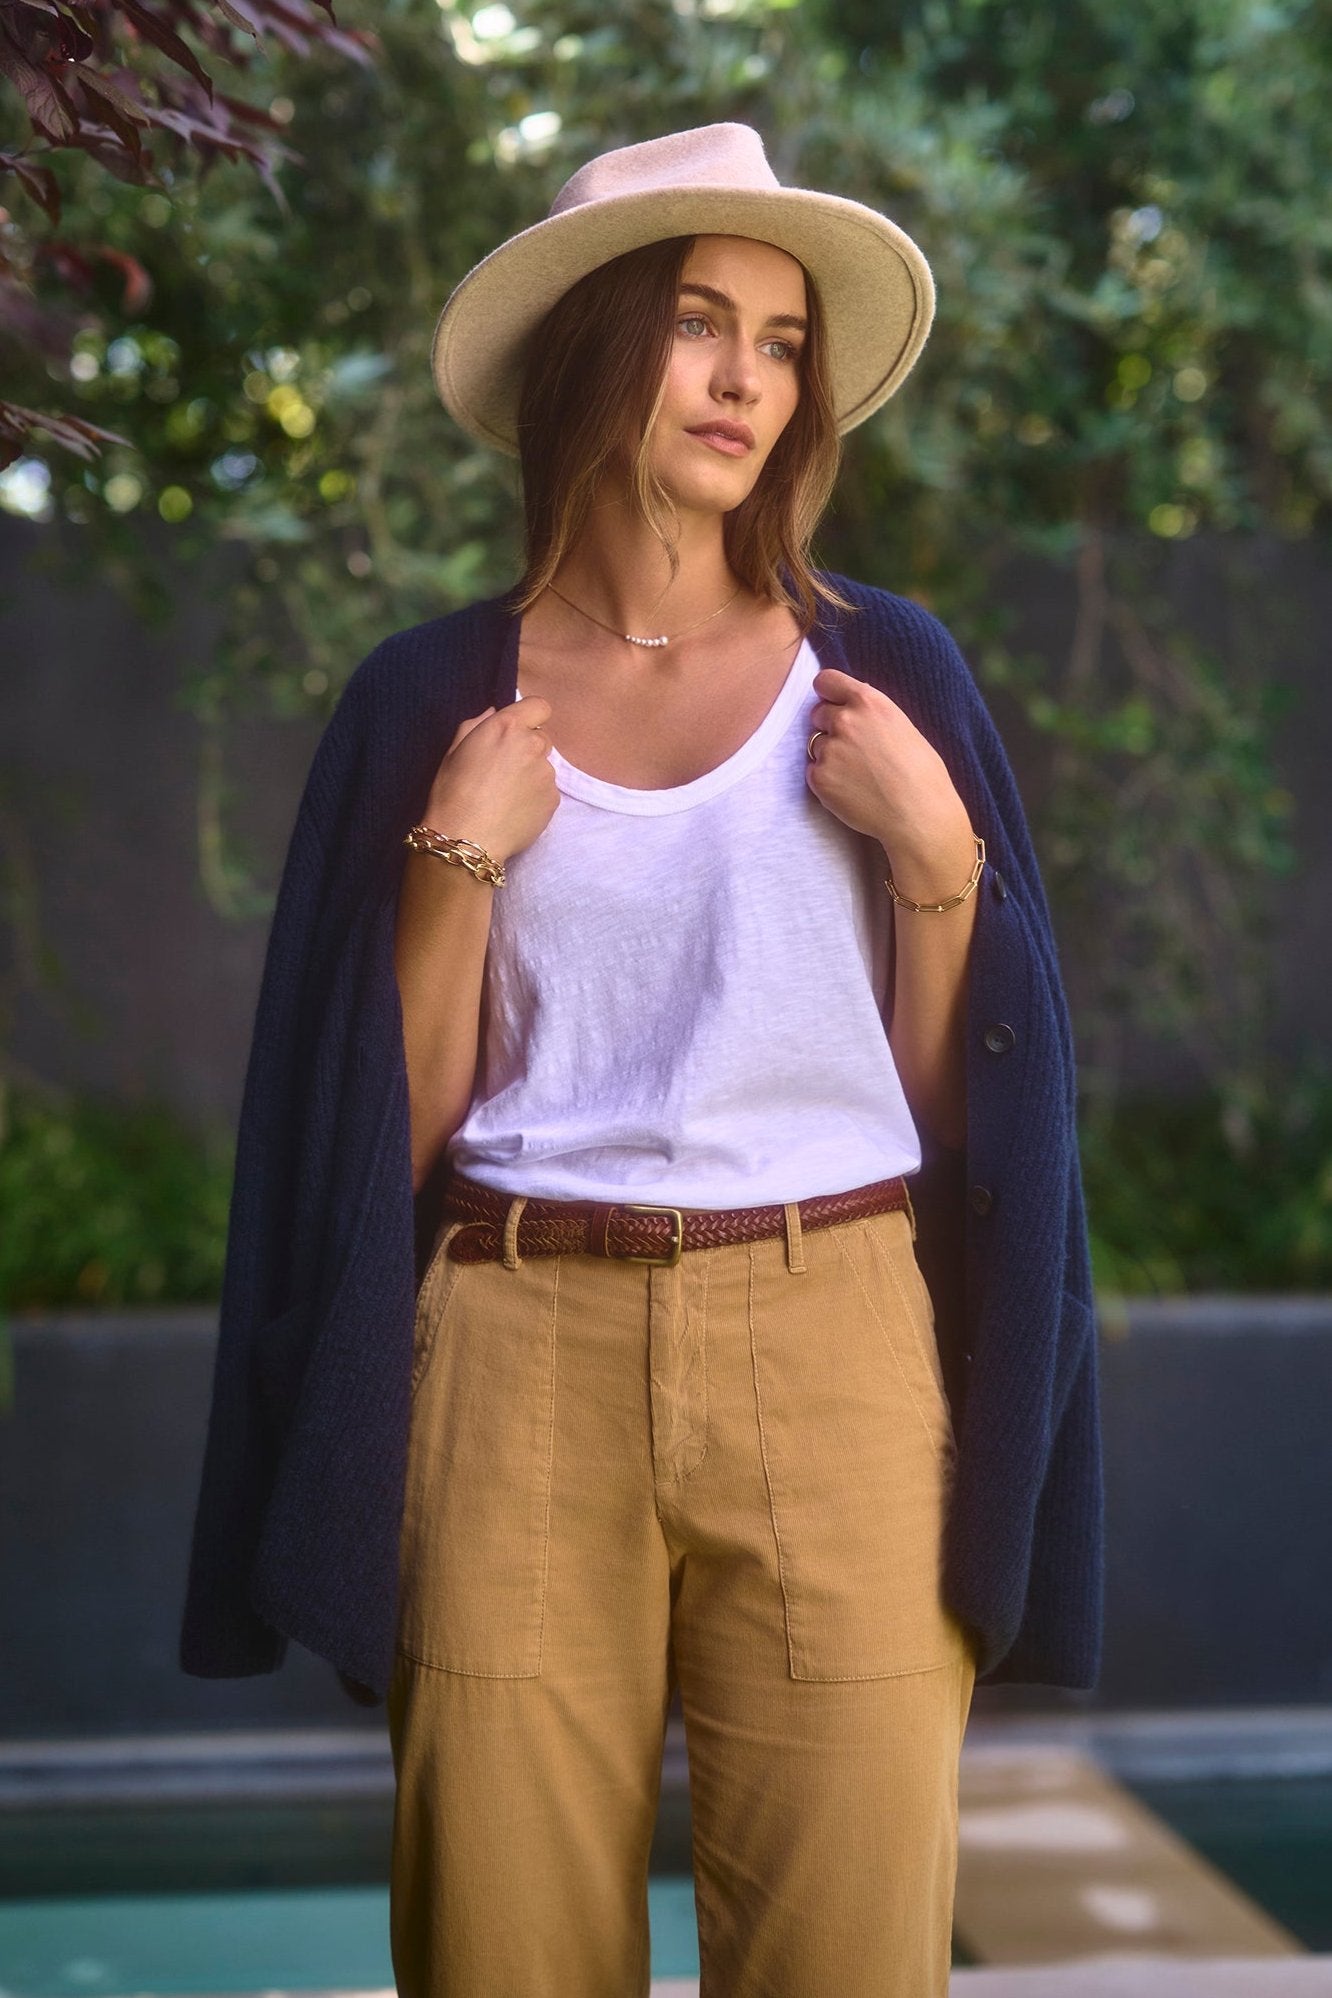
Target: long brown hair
point(596, 375)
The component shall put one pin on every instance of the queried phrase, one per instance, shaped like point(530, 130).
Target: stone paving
point(1057, 1860)
point(1122, 1977)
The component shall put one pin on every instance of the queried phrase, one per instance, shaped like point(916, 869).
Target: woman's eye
point(788, 350)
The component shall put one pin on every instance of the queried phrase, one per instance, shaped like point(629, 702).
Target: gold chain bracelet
point(937, 908)
point(461, 852)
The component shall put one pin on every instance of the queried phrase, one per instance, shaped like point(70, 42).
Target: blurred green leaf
point(108, 1205)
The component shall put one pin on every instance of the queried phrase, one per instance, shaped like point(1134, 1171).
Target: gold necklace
point(628, 636)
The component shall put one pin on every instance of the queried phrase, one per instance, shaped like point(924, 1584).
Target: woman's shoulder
point(406, 695)
point(887, 615)
point(899, 643)
point(453, 647)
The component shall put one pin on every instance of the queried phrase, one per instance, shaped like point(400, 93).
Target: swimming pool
point(1272, 1835)
point(332, 1938)
point(101, 1903)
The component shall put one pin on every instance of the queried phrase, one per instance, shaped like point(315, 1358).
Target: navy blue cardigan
point(299, 1512)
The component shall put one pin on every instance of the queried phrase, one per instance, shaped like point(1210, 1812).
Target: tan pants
point(732, 1473)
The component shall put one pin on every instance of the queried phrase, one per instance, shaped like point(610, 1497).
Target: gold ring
point(809, 746)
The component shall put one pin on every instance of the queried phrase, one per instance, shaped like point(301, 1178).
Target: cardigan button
point(982, 1200)
point(999, 1037)
point(998, 884)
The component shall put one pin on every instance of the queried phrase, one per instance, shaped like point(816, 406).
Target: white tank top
point(684, 992)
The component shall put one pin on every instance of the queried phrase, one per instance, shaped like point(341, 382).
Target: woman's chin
point(717, 491)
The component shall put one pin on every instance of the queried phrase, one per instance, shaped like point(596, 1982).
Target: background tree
point(1124, 209)
point(86, 76)
point(1134, 270)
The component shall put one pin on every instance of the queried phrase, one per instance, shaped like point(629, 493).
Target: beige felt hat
point(874, 283)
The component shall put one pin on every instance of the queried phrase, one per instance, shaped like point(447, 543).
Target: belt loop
point(511, 1255)
point(597, 1228)
point(795, 1246)
point(910, 1209)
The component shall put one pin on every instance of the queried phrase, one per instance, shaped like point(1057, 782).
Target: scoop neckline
point(576, 783)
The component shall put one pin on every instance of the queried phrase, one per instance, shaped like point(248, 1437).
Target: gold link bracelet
point(461, 852)
point(937, 908)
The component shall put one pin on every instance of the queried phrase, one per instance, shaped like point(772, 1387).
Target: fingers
point(837, 690)
point(532, 712)
point(466, 726)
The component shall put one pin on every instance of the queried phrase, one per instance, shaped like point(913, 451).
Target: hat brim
point(874, 285)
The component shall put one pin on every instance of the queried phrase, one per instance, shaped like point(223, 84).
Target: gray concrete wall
point(145, 992)
point(1219, 1534)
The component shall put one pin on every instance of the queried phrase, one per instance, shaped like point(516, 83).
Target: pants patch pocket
point(476, 1519)
point(858, 1470)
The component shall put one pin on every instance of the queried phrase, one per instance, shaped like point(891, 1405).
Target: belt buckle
point(677, 1243)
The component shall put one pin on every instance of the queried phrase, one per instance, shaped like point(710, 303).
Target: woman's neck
point(619, 572)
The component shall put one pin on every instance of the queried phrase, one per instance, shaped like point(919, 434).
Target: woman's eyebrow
point(725, 304)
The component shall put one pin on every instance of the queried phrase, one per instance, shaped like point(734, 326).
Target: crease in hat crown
point(716, 156)
point(874, 281)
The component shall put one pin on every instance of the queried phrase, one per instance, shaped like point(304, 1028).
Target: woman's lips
point(734, 447)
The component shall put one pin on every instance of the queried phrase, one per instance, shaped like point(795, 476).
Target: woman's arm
point(495, 786)
point(878, 774)
point(931, 956)
point(443, 927)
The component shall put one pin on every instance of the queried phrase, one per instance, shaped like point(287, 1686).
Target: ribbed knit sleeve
point(296, 1524)
point(221, 1636)
point(1024, 1555)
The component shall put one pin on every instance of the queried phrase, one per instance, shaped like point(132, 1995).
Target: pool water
point(324, 1938)
point(1272, 1835)
point(178, 1898)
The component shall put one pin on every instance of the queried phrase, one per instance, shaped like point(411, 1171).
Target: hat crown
point(708, 156)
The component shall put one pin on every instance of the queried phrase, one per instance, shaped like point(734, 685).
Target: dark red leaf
point(265, 174)
point(203, 136)
point(103, 146)
point(251, 114)
point(71, 265)
point(39, 181)
point(56, 32)
point(165, 38)
point(75, 433)
point(237, 18)
point(48, 107)
point(138, 284)
point(121, 114)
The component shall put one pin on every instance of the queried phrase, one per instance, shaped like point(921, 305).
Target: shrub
point(108, 1205)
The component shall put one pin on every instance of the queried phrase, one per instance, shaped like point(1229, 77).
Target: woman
point(688, 967)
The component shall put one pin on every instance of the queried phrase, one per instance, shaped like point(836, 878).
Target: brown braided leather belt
point(638, 1231)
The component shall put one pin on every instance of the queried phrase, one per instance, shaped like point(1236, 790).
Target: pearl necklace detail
point(628, 636)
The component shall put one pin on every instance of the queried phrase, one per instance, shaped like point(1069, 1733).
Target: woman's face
point(734, 366)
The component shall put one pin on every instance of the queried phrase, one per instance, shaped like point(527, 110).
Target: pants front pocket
point(476, 1519)
point(859, 1461)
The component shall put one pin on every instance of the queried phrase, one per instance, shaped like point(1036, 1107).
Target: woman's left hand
point(875, 771)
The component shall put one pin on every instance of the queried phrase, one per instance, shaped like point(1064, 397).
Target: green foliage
point(106, 1205)
point(1183, 1196)
point(1124, 209)
point(1134, 267)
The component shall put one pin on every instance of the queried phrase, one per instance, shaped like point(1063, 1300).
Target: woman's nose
point(738, 375)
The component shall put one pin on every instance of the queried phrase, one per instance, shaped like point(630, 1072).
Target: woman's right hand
point(495, 784)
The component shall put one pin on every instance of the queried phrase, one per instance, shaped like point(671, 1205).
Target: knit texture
point(296, 1531)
